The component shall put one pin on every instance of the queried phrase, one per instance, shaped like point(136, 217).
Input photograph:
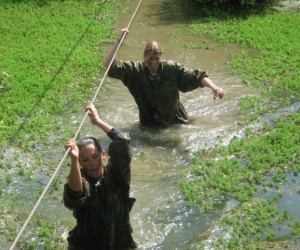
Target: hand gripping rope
point(76, 135)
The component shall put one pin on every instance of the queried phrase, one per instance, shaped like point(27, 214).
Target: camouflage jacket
point(157, 97)
point(102, 208)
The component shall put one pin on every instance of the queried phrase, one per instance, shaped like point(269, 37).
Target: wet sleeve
point(123, 70)
point(120, 157)
point(189, 79)
point(74, 200)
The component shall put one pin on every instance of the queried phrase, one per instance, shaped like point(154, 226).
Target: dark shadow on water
point(187, 11)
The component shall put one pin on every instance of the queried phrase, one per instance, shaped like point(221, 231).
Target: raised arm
point(119, 150)
point(74, 180)
point(96, 120)
point(112, 51)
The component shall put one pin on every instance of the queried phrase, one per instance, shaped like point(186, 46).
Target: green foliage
point(251, 224)
point(4, 83)
point(261, 160)
point(252, 107)
point(9, 178)
point(47, 236)
point(48, 62)
point(269, 56)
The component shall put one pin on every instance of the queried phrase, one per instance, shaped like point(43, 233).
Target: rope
point(76, 135)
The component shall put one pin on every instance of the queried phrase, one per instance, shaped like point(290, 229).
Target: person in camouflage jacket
point(99, 195)
point(155, 84)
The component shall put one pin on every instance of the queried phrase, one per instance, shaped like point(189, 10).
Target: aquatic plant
point(266, 156)
point(48, 236)
point(268, 58)
point(253, 160)
point(253, 225)
point(49, 63)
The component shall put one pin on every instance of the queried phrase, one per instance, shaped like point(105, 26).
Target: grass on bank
point(265, 158)
point(269, 58)
point(50, 62)
point(49, 59)
point(62, 57)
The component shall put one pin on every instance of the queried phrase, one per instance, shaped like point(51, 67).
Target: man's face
point(152, 62)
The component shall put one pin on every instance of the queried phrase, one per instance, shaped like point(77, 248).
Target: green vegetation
point(253, 225)
point(50, 61)
point(266, 157)
point(258, 160)
point(49, 235)
point(269, 57)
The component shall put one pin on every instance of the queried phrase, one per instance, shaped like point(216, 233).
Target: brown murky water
point(160, 217)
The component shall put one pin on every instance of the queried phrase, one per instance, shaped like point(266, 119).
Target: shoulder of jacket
point(124, 136)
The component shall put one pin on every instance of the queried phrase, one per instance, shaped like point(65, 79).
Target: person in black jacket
point(155, 84)
point(97, 194)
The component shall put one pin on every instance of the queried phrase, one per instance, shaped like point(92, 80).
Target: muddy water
point(160, 217)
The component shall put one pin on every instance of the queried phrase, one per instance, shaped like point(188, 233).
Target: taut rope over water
point(76, 135)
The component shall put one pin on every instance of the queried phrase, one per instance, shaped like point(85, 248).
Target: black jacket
point(102, 208)
point(157, 97)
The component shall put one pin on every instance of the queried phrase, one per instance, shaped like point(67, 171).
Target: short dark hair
point(153, 48)
point(89, 140)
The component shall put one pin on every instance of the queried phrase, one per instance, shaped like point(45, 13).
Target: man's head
point(152, 56)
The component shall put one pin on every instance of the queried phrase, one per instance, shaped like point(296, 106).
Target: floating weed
point(170, 200)
point(296, 229)
point(176, 34)
point(250, 224)
point(264, 155)
point(30, 174)
point(159, 210)
point(192, 45)
point(144, 151)
point(295, 168)
point(21, 171)
point(261, 160)
point(9, 178)
point(57, 183)
point(48, 236)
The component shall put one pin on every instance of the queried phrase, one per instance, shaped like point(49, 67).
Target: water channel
point(160, 217)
